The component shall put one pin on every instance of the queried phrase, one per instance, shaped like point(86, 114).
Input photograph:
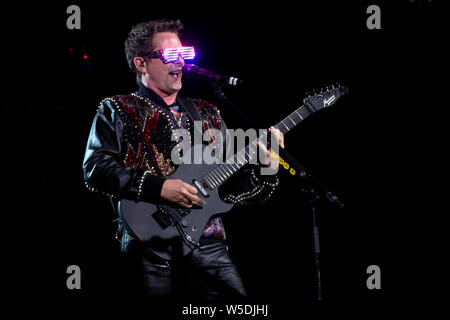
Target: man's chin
point(174, 89)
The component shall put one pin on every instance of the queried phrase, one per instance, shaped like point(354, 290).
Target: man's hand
point(272, 162)
point(175, 190)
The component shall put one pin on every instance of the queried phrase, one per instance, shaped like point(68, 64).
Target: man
point(128, 155)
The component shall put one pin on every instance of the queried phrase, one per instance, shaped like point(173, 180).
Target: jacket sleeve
point(248, 186)
point(103, 167)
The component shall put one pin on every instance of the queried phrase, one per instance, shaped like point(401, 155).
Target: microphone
point(194, 70)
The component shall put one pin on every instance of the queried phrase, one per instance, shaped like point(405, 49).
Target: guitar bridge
point(168, 216)
point(164, 220)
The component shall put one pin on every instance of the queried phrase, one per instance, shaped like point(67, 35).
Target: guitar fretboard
point(224, 171)
point(293, 119)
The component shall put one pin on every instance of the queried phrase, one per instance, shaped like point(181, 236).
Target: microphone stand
point(313, 189)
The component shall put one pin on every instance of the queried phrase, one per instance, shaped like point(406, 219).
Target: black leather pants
point(206, 274)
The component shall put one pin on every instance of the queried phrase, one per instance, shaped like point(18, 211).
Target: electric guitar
point(170, 229)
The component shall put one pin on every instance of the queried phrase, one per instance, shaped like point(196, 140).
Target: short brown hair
point(140, 39)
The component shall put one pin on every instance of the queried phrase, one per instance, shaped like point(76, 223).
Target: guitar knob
point(184, 223)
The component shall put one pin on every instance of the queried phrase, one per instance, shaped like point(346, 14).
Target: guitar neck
point(224, 171)
point(293, 119)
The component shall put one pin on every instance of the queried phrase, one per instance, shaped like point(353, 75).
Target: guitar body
point(166, 241)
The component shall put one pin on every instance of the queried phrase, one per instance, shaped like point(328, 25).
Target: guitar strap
point(189, 106)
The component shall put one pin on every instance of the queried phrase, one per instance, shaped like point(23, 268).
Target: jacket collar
point(185, 104)
point(153, 96)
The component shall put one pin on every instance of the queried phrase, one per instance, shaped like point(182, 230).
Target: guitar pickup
point(163, 219)
point(200, 188)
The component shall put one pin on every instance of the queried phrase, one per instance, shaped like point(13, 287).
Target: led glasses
point(171, 54)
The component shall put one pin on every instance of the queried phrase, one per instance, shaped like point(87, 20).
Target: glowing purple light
point(171, 55)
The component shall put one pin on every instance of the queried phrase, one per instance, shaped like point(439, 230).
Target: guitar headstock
point(325, 97)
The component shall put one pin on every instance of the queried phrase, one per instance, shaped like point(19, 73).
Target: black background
point(368, 148)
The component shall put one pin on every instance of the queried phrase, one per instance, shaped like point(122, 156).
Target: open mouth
point(176, 74)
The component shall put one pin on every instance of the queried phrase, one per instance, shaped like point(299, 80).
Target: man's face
point(165, 78)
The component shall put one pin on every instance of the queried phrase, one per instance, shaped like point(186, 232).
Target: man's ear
point(140, 64)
